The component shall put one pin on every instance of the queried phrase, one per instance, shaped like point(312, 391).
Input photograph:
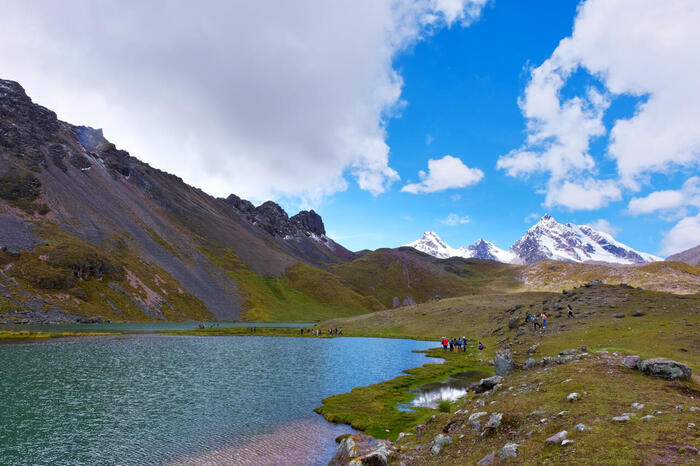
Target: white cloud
point(454, 220)
point(668, 200)
point(684, 235)
point(455, 197)
point(590, 194)
point(445, 173)
point(641, 48)
point(429, 139)
point(532, 217)
point(264, 99)
point(604, 226)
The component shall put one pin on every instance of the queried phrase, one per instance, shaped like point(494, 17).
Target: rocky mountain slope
point(689, 256)
point(86, 228)
point(547, 239)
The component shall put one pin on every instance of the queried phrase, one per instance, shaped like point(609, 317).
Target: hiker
point(452, 344)
point(481, 346)
point(535, 322)
point(444, 344)
point(527, 317)
point(459, 344)
point(340, 331)
point(570, 312)
point(464, 343)
point(544, 320)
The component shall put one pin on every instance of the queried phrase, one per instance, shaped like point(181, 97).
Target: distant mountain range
point(689, 256)
point(547, 239)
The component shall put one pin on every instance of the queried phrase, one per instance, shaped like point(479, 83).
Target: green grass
point(25, 334)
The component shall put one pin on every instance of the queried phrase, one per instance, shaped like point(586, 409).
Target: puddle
point(451, 389)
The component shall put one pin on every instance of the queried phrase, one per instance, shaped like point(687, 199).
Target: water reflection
point(455, 387)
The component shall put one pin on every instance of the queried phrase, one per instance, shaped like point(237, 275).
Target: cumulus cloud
point(445, 173)
point(668, 200)
point(684, 235)
point(604, 226)
point(591, 194)
point(642, 48)
point(454, 220)
point(532, 217)
point(264, 99)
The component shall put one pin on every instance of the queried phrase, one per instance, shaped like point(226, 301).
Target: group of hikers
point(457, 344)
point(541, 320)
point(317, 331)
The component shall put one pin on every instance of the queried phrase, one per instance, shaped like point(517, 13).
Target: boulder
point(362, 449)
point(631, 361)
point(488, 459)
point(440, 441)
point(566, 442)
point(475, 416)
point(581, 427)
point(512, 322)
point(619, 315)
point(529, 363)
point(503, 362)
point(567, 352)
point(637, 314)
point(557, 438)
point(621, 418)
point(509, 450)
point(571, 397)
point(532, 349)
point(494, 421)
point(488, 383)
point(665, 368)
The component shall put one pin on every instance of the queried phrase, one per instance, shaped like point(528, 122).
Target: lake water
point(155, 399)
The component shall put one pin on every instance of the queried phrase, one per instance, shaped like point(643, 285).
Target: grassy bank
point(25, 334)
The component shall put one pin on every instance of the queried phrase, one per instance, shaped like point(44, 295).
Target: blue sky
point(470, 118)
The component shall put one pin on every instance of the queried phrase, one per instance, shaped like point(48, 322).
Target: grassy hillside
point(85, 280)
point(668, 327)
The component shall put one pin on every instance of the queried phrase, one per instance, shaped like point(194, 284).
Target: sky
point(470, 118)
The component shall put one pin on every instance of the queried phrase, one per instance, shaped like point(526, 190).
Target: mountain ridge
point(547, 239)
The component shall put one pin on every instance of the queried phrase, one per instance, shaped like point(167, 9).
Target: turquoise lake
point(156, 399)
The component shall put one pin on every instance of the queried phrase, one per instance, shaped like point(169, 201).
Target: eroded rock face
point(665, 368)
point(362, 449)
point(529, 363)
point(488, 383)
point(440, 441)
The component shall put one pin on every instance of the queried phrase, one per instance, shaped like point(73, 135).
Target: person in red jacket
point(544, 320)
point(445, 342)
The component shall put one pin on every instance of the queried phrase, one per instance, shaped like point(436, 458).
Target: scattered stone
point(567, 352)
point(494, 421)
point(694, 408)
point(566, 442)
point(637, 313)
point(562, 413)
point(420, 430)
point(509, 450)
point(688, 449)
point(488, 383)
point(573, 397)
point(619, 315)
point(665, 368)
point(440, 441)
point(503, 362)
point(631, 361)
point(363, 449)
point(532, 349)
point(479, 403)
point(538, 412)
point(621, 418)
point(512, 322)
point(475, 425)
point(476, 416)
point(557, 438)
point(566, 381)
point(657, 413)
point(581, 427)
point(637, 406)
point(679, 407)
point(529, 363)
point(647, 417)
point(691, 425)
point(401, 436)
point(488, 459)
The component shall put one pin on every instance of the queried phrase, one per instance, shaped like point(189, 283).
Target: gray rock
point(665, 368)
point(529, 363)
point(420, 430)
point(581, 427)
point(557, 438)
point(566, 442)
point(512, 322)
point(509, 450)
point(503, 362)
point(567, 352)
point(582, 349)
point(488, 383)
point(532, 349)
point(475, 425)
point(494, 421)
point(488, 459)
point(621, 418)
point(631, 361)
point(637, 406)
point(440, 441)
point(647, 417)
point(637, 314)
point(573, 397)
point(619, 315)
point(475, 416)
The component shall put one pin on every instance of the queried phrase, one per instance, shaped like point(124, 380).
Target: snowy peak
point(547, 239)
point(430, 243)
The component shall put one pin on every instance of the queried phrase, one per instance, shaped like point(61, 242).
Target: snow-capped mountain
point(547, 239)
point(430, 243)
point(486, 250)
